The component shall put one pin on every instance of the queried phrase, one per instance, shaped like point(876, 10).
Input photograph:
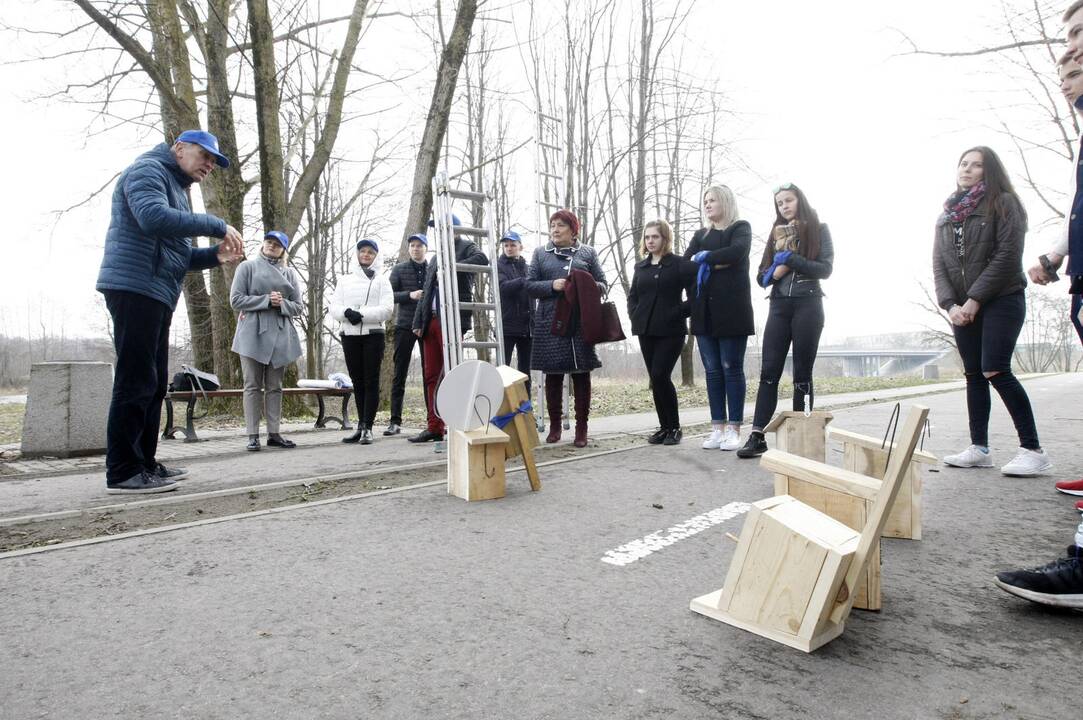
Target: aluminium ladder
point(447, 269)
point(550, 191)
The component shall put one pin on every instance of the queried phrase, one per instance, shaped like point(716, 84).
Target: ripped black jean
point(791, 320)
point(987, 345)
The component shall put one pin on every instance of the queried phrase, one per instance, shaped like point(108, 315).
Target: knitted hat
point(568, 218)
point(370, 243)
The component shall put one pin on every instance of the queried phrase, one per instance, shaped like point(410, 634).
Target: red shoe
point(554, 432)
point(1070, 487)
point(580, 435)
point(1079, 506)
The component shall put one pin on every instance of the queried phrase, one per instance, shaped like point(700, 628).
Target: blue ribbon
point(502, 421)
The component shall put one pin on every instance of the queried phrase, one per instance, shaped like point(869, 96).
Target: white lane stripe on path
point(638, 549)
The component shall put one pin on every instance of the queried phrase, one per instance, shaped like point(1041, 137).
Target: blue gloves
point(780, 259)
point(704, 272)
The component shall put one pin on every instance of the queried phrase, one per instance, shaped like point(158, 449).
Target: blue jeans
point(724, 364)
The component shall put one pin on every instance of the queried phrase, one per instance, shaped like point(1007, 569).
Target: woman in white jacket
point(362, 302)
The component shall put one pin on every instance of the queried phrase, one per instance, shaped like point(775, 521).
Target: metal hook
point(892, 426)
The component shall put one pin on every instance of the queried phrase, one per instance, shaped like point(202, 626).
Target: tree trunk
point(688, 364)
point(225, 188)
point(436, 122)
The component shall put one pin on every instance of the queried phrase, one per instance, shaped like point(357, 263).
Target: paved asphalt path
point(417, 605)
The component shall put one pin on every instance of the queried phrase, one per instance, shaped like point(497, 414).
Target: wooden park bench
point(191, 396)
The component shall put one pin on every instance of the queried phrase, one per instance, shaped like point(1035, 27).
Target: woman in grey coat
point(557, 355)
point(267, 295)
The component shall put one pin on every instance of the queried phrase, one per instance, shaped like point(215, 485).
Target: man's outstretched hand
point(231, 249)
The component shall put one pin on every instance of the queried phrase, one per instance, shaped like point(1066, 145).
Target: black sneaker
point(425, 436)
point(253, 443)
point(142, 484)
point(673, 437)
point(392, 429)
point(657, 437)
point(755, 446)
point(1060, 583)
point(165, 473)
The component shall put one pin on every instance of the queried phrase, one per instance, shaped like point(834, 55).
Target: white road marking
point(638, 549)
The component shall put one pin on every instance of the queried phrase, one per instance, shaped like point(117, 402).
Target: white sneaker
point(713, 440)
point(1028, 463)
point(731, 439)
point(973, 456)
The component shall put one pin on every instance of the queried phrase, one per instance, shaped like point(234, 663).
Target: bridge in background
point(875, 363)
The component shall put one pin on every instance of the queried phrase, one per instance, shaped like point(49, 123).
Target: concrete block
point(66, 409)
point(930, 372)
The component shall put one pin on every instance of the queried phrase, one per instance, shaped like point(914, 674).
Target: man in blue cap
point(516, 307)
point(148, 251)
point(407, 282)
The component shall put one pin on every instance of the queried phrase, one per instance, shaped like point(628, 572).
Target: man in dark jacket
point(407, 281)
point(148, 250)
point(516, 307)
point(427, 327)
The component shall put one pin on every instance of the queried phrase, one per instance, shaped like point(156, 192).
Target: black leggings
point(796, 320)
point(660, 355)
point(404, 350)
point(987, 345)
point(522, 345)
point(364, 355)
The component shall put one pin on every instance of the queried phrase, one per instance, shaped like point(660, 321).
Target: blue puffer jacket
point(148, 248)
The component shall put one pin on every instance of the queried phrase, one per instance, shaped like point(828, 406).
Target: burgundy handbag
point(611, 329)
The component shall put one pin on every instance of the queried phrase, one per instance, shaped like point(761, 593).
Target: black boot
point(754, 447)
point(673, 437)
point(356, 434)
point(276, 440)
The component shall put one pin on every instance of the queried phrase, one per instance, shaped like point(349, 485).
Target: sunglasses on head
point(783, 186)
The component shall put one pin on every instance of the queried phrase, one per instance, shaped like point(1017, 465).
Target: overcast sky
point(825, 102)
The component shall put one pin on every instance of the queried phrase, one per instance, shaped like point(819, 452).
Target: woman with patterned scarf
point(978, 270)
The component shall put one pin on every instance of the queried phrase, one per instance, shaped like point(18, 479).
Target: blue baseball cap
point(281, 237)
point(370, 243)
point(420, 238)
point(454, 221)
point(206, 141)
point(511, 236)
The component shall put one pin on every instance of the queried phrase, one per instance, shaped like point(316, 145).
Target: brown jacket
point(992, 261)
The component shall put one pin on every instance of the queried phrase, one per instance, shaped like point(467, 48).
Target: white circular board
point(470, 395)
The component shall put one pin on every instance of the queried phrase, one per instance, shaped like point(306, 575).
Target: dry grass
point(611, 397)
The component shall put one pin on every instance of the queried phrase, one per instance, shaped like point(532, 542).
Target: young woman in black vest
point(978, 271)
point(797, 256)
point(722, 320)
point(657, 308)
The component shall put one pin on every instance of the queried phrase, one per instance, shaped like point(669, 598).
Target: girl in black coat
point(657, 309)
point(797, 256)
point(721, 300)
